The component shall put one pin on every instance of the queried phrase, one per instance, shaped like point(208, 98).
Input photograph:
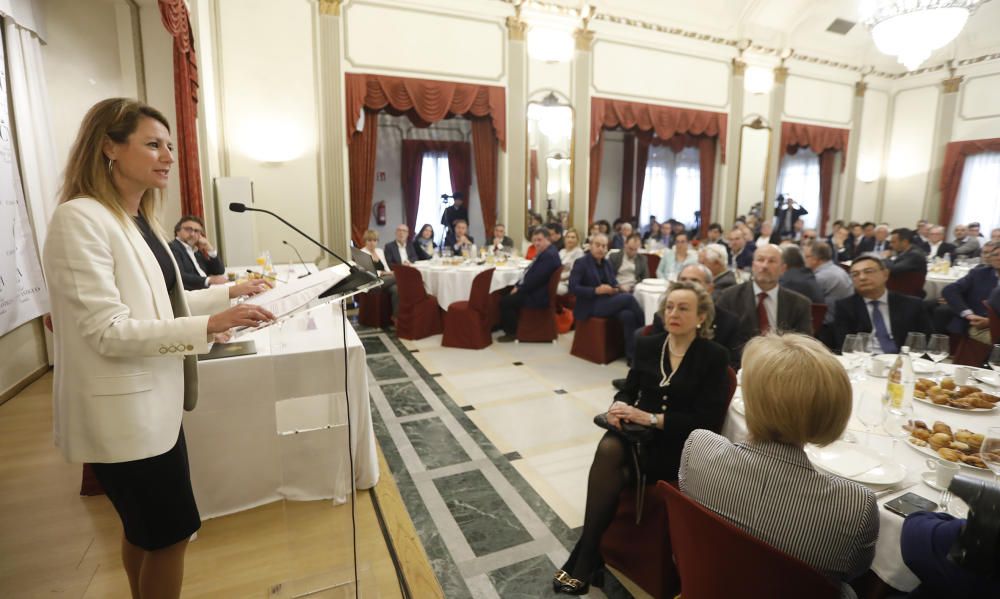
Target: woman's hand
point(242, 315)
point(626, 413)
point(252, 287)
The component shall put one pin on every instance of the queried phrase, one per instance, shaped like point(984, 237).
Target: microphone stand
point(308, 272)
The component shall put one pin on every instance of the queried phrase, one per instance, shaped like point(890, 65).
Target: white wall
point(908, 163)
point(871, 148)
point(978, 113)
point(609, 193)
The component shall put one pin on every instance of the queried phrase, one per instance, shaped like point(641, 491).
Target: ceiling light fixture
point(911, 29)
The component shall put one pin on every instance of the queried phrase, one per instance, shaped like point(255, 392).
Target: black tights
point(609, 473)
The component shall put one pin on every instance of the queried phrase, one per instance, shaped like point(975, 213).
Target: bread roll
point(949, 454)
point(939, 440)
point(940, 427)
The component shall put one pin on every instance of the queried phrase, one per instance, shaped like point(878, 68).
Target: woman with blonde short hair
point(370, 239)
point(795, 392)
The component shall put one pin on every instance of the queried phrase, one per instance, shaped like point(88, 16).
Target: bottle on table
point(899, 387)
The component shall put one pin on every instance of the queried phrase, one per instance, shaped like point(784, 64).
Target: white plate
point(927, 451)
point(986, 376)
point(860, 464)
point(947, 407)
point(924, 367)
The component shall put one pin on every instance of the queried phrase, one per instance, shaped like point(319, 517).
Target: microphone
point(358, 276)
point(300, 258)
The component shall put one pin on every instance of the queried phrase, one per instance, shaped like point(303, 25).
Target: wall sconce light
point(867, 173)
point(758, 80)
point(273, 141)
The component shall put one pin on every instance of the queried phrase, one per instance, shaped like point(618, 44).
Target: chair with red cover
point(374, 308)
point(539, 324)
point(467, 323)
point(818, 314)
point(994, 324)
point(702, 540)
point(599, 340)
point(652, 263)
point(419, 314)
point(907, 283)
point(970, 352)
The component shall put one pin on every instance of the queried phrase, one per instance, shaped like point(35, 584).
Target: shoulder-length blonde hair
point(795, 390)
point(88, 171)
point(706, 307)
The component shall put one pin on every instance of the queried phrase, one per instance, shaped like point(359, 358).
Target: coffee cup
point(943, 471)
point(961, 375)
point(878, 367)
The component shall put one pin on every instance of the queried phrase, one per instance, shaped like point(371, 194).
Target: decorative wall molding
point(849, 92)
point(780, 74)
point(584, 40)
point(516, 29)
point(951, 84)
point(860, 88)
point(739, 67)
point(330, 7)
point(971, 84)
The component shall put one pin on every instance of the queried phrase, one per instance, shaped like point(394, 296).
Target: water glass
point(994, 361)
point(868, 411)
point(937, 348)
point(917, 342)
point(990, 451)
point(894, 418)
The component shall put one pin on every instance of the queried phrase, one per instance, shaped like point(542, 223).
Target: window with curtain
point(435, 180)
point(799, 178)
point(672, 187)
point(979, 193)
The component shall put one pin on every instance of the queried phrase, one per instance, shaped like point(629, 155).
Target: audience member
point(197, 260)
point(797, 230)
point(840, 244)
point(400, 250)
point(381, 266)
point(926, 542)
point(797, 277)
point(677, 384)
point(595, 229)
point(795, 393)
point(966, 246)
point(713, 256)
point(807, 236)
point(879, 242)
point(500, 242)
point(872, 307)
point(624, 230)
point(966, 298)
point(676, 258)
point(865, 243)
point(937, 247)
point(656, 234)
point(786, 215)
point(605, 227)
point(995, 235)
point(921, 236)
point(460, 241)
point(974, 230)
point(555, 235)
point(592, 281)
point(451, 215)
point(906, 257)
point(568, 255)
point(834, 283)
point(629, 265)
point(532, 291)
point(740, 251)
point(714, 235)
point(764, 306)
point(767, 234)
point(424, 243)
point(725, 325)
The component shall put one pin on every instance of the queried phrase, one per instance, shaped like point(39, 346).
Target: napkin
point(847, 463)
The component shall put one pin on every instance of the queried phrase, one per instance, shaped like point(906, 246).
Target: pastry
point(952, 455)
point(973, 460)
point(921, 433)
point(947, 383)
point(940, 427)
point(917, 442)
point(939, 440)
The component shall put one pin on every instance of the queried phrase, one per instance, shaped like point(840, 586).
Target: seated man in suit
point(797, 277)
point(624, 230)
point(879, 242)
point(458, 239)
point(713, 256)
point(197, 260)
point(906, 256)
point(966, 246)
point(921, 236)
point(556, 235)
point(937, 246)
point(833, 282)
point(629, 265)
point(967, 296)
point(866, 241)
point(532, 290)
point(889, 314)
point(593, 282)
point(500, 242)
point(762, 305)
point(741, 250)
point(401, 250)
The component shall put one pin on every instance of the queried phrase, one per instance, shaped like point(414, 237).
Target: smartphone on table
point(907, 504)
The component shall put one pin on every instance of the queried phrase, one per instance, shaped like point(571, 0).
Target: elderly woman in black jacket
point(678, 383)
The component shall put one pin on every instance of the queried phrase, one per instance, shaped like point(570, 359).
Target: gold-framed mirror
point(549, 159)
point(751, 173)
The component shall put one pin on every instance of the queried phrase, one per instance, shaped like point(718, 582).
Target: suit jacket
point(968, 293)
point(802, 280)
point(723, 281)
point(641, 264)
point(994, 302)
point(781, 214)
point(794, 310)
point(944, 248)
point(125, 348)
point(967, 247)
point(696, 397)
point(189, 274)
point(506, 242)
point(745, 258)
point(919, 242)
point(584, 279)
point(906, 315)
point(617, 242)
point(392, 256)
point(449, 240)
point(864, 245)
point(912, 260)
point(535, 284)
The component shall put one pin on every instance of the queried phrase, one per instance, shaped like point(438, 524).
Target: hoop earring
point(111, 166)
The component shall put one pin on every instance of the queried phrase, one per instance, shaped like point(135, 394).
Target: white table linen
point(272, 425)
point(648, 293)
point(936, 282)
point(454, 283)
point(888, 563)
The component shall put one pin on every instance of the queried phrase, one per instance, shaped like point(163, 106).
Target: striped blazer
point(771, 491)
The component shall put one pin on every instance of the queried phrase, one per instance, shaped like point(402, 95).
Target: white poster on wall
point(22, 288)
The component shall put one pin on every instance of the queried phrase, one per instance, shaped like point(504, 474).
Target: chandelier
point(911, 29)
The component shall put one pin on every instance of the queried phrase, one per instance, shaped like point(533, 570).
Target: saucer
point(930, 479)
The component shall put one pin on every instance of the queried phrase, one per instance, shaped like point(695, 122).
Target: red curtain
point(826, 160)
point(484, 149)
point(459, 169)
point(628, 176)
point(825, 141)
point(361, 162)
point(951, 171)
point(177, 21)
point(641, 160)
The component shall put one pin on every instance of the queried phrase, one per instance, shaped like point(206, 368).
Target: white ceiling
point(797, 24)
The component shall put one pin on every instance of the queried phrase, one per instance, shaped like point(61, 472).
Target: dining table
point(936, 281)
point(870, 444)
point(450, 280)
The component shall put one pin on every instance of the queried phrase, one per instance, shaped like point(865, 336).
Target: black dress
point(153, 496)
point(696, 397)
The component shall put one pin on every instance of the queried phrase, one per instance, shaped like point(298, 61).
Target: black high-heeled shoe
point(566, 584)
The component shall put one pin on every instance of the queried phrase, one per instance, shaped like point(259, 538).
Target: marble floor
point(490, 449)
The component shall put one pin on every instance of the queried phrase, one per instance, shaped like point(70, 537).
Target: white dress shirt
point(401, 247)
point(883, 308)
point(770, 304)
point(626, 272)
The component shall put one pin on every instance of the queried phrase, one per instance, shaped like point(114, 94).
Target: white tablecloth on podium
point(888, 563)
point(241, 442)
point(453, 283)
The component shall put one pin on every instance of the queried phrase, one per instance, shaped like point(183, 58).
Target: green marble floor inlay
point(374, 345)
point(434, 443)
point(385, 367)
point(529, 579)
point(405, 399)
point(486, 521)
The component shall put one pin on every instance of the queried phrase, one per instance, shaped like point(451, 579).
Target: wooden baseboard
point(19, 386)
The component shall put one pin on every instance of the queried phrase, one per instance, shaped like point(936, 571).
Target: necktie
point(762, 321)
point(881, 332)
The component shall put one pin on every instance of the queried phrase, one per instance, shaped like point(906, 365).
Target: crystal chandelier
point(911, 29)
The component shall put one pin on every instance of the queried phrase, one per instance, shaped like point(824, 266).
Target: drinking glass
point(850, 351)
point(990, 450)
point(917, 342)
point(894, 418)
point(994, 362)
point(937, 348)
point(868, 412)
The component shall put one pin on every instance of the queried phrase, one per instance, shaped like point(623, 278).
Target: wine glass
point(869, 412)
point(994, 362)
point(990, 450)
point(894, 418)
point(937, 348)
point(917, 342)
point(850, 351)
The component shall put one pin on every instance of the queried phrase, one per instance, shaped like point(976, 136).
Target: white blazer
point(125, 349)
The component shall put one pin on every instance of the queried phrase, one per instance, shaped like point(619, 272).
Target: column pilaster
point(846, 207)
point(582, 80)
point(775, 110)
point(725, 206)
point(943, 127)
point(512, 194)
